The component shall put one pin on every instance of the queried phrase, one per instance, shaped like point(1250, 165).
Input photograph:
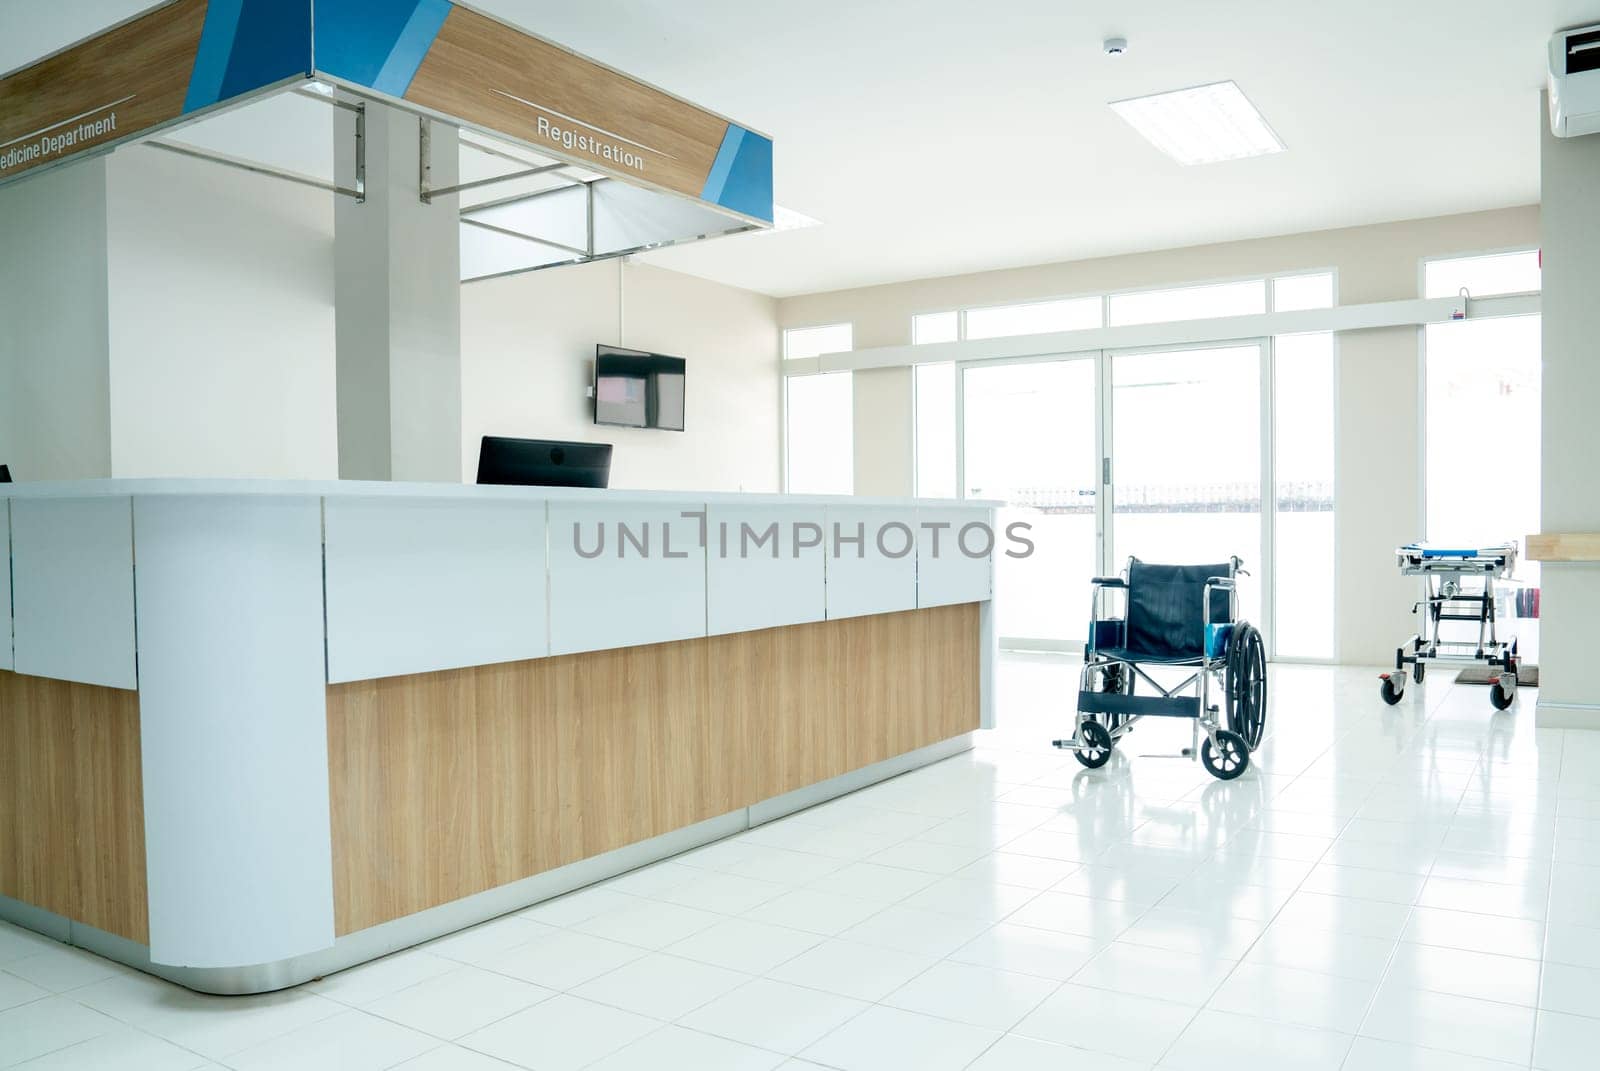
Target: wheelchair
point(1172, 616)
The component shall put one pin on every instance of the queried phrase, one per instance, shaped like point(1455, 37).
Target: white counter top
point(397, 489)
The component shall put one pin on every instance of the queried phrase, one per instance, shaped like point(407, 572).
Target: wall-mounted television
point(635, 389)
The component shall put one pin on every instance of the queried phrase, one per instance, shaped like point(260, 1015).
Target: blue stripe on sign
point(211, 58)
point(412, 47)
point(748, 186)
point(717, 178)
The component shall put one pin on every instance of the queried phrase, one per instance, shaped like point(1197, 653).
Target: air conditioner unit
point(1575, 82)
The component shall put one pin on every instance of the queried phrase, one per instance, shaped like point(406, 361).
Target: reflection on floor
point(1386, 888)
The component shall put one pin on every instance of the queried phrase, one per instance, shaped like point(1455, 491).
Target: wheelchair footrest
point(1142, 706)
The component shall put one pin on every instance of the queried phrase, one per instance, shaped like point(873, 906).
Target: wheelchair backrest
point(1164, 607)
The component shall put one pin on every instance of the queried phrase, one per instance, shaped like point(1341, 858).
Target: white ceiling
point(933, 137)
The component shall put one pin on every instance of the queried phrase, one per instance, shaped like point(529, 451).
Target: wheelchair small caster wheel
point(1390, 693)
point(1418, 672)
point(1097, 745)
point(1228, 759)
point(1500, 697)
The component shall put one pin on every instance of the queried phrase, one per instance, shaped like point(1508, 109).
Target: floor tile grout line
point(1544, 943)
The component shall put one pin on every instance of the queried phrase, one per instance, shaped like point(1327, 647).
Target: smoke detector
point(1115, 46)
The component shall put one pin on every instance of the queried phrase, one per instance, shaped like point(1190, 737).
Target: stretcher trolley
point(1458, 588)
point(1176, 617)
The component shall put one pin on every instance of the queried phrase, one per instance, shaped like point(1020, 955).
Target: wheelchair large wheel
point(1229, 759)
point(1097, 741)
point(1245, 684)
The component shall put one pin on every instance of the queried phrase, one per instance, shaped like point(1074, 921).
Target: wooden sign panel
point(189, 55)
point(454, 61)
point(169, 62)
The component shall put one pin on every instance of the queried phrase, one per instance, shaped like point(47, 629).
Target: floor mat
point(1527, 676)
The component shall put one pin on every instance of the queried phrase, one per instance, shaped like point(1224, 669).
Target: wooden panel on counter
point(448, 784)
point(72, 802)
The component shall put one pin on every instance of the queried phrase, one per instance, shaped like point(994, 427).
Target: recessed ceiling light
point(1201, 125)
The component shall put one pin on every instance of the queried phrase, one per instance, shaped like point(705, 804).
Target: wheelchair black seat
point(1165, 611)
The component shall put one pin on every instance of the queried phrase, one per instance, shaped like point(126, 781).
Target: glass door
point(1186, 459)
point(1030, 439)
point(1483, 456)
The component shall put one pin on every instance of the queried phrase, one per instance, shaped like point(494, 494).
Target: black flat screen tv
point(635, 389)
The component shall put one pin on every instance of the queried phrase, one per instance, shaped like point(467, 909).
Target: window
point(810, 341)
point(936, 430)
point(820, 414)
point(1187, 303)
point(1498, 273)
point(1291, 293)
point(1303, 472)
point(935, 327)
point(1034, 318)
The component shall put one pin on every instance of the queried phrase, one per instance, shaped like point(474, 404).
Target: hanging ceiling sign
point(187, 57)
point(152, 71)
point(455, 62)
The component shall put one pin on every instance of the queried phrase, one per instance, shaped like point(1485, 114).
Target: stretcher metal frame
point(1450, 578)
point(1108, 709)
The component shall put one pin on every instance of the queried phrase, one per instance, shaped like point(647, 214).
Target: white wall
point(54, 391)
point(527, 353)
point(221, 321)
point(1570, 502)
point(885, 432)
point(1379, 480)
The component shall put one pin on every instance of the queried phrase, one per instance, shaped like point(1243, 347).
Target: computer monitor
point(543, 463)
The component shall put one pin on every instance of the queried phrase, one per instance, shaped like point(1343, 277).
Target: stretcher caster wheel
point(1500, 697)
point(1229, 759)
point(1097, 745)
point(1418, 672)
point(1390, 693)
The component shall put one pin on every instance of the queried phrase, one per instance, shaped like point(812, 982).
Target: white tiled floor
point(1414, 888)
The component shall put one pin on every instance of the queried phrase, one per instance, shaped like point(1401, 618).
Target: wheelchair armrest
point(1109, 582)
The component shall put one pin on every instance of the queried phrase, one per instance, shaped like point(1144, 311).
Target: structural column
point(397, 296)
point(1569, 224)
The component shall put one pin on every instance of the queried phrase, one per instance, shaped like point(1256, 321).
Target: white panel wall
point(233, 718)
point(947, 574)
point(527, 355)
point(55, 405)
point(5, 584)
point(622, 598)
point(221, 321)
point(754, 580)
point(871, 577)
point(73, 590)
point(415, 586)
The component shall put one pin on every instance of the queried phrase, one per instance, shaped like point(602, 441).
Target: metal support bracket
point(357, 191)
point(427, 191)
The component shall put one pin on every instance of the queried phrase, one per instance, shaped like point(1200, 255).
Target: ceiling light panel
point(1202, 125)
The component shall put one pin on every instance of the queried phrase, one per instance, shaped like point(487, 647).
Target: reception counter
point(253, 732)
